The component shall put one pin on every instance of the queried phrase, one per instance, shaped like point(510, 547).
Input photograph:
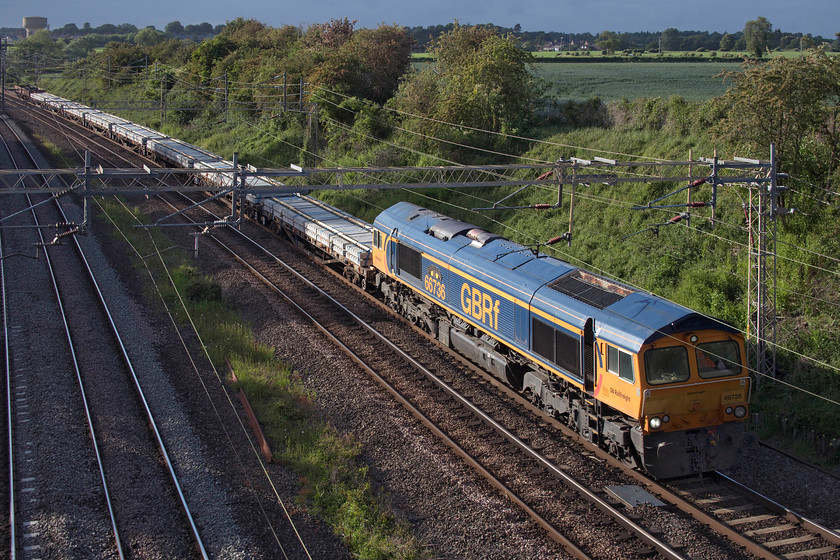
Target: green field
point(616, 80)
point(612, 81)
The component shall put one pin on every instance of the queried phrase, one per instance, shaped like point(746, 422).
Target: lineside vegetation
point(362, 104)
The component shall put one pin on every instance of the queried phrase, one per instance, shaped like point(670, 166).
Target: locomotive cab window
point(667, 365)
point(718, 359)
point(377, 239)
point(620, 363)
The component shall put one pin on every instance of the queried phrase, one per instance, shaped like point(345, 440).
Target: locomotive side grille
point(590, 289)
point(409, 260)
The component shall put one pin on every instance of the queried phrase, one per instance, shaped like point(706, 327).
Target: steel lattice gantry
point(761, 210)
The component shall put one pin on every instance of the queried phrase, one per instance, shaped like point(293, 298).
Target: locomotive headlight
point(666, 419)
point(729, 410)
point(655, 423)
point(740, 411)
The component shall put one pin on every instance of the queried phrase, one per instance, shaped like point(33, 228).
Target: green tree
point(149, 37)
point(609, 41)
point(202, 29)
point(40, 44)
point(126, 28)
point(68, 29)
point(757, 34)
point(480, 81)
point(331, 35)
point(120, 62)
point(80, 47)
point(670, 40)
point(208, 53)
point(792, 102)
point(368, 64)
point(174, 28)
point(727, 42)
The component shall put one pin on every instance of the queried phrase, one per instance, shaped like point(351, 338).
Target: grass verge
point(334, 485)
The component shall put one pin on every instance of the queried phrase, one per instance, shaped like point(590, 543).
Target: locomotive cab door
point(392, 252)
point(589, 369)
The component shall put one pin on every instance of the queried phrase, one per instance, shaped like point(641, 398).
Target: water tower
point(33, 24)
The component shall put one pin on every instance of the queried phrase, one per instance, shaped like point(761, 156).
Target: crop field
point(610, 81)
point(616, 80)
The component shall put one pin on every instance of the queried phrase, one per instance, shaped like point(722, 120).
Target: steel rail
point(604, 506)
point(783, 511)
point(11, 454)
point(437, 432)
point(686, 510)
point(102, 145)
point(570, 482)
point(150, 417)
point(72, 348)
point(97, 141)
point(142, 396)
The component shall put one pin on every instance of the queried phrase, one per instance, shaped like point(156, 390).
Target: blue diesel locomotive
point(656, 384)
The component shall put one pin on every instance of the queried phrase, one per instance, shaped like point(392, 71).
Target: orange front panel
point(697, 401)
point(618, 393)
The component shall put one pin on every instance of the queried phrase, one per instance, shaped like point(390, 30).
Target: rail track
point(495, 449)
point(241, 508)
point(769, 529)
point(111, 396)
point(469, 429)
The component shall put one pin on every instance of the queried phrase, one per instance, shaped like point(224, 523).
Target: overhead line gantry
point(760, 177)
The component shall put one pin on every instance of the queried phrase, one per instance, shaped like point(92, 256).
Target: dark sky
point(818, 17)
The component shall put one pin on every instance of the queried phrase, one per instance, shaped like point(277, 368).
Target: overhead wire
point(603, 199)
point(513, 155)
point(783, 257)
point(507, 135)
point(590, 266)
